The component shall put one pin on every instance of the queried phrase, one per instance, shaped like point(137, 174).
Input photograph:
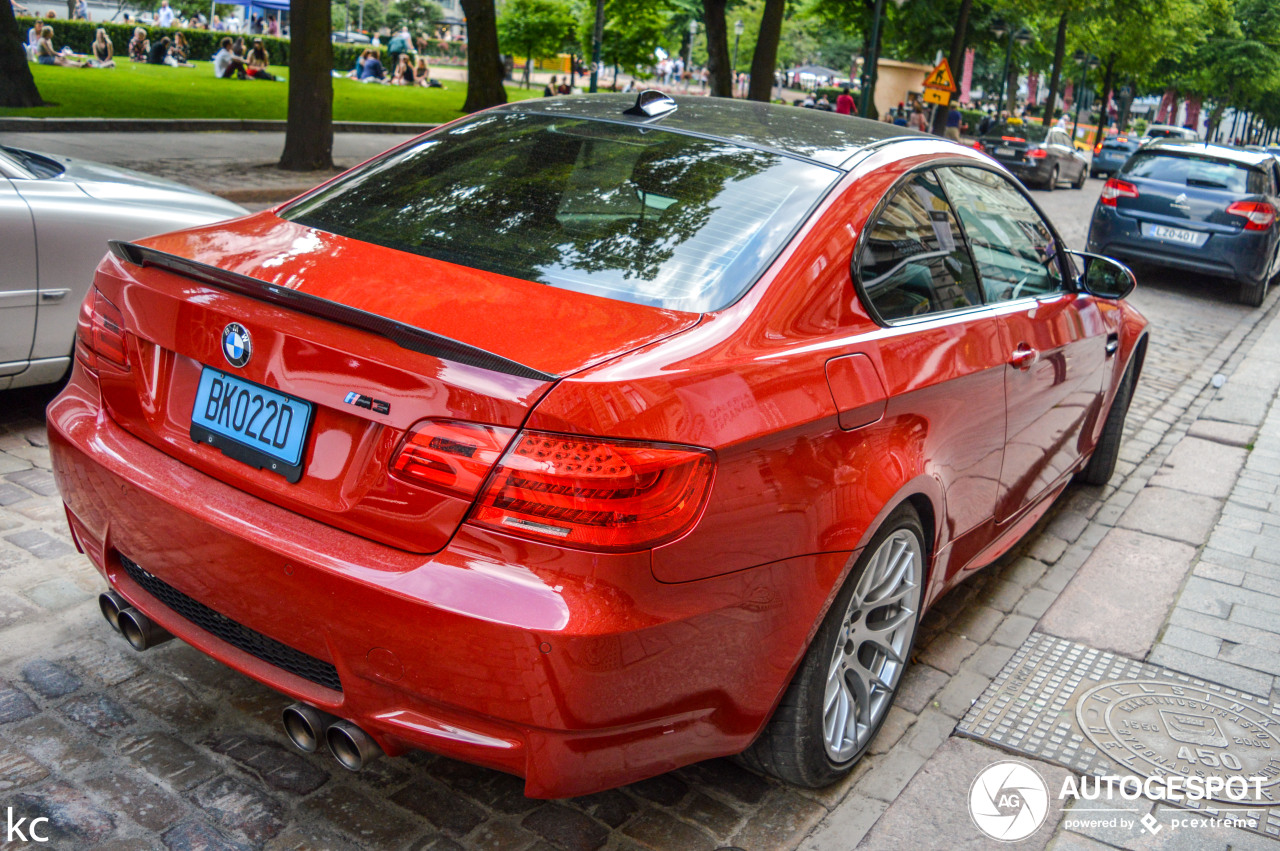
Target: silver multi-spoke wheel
point(872, 646)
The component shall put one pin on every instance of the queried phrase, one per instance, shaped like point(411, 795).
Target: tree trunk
point(764, 62)
point(484, 62)
point(1055, 78)
point(17, 87)
point(1011, 90)
point(956, 61)
point(718, 48)
point(308, 138)
point(1108, 81)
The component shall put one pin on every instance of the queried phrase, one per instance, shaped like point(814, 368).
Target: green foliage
point(159, 91)
point(632, 29)
point(534, 29)
point(420, 16)
point(346, 15)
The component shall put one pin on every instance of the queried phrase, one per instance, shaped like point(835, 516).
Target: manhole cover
point(1101, 714)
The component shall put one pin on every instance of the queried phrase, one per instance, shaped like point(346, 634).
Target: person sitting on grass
point(139, 45)
point(48, 56)
point(181, 51)
point(422, 74)
point(403, 75)
point(226, 65)
point(372, 70)
point(259, 59)
point(358, 68)
point(104, 51)
point(159, 53)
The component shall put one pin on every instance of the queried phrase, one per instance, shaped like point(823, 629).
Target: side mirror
point(1104, 277)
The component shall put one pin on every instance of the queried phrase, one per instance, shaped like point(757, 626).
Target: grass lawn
point(158, 91)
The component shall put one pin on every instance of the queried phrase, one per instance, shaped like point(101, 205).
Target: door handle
point(1023, 357)
point(1113, 344)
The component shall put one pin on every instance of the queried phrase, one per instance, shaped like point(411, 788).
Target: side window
point(915, 261)
point(1016, 253)
point(1057, 137)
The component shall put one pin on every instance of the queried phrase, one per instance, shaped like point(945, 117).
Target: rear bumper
point(578, 672)
point(1240, 257)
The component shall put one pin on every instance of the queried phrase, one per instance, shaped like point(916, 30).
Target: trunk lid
point(335, 326)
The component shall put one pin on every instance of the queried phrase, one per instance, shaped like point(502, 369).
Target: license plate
point(250, 423)
point(1186, 237)
point(1005, 152)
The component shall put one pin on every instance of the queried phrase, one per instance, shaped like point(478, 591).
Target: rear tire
point(1052, 183)
point(847, 681)
point(1102, 464)
point(1083, 178)
point(1252, 294)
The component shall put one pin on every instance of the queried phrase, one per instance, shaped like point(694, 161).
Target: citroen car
point(1038, 155)
point(1209, 209)
point(56, 215)
point(588, 437)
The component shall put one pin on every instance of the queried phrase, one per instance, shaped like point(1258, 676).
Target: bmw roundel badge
point(236, 347)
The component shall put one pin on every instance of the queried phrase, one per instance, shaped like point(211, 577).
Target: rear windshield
point(1119, 145)
point(1204, 172)
point(632, 213)
point(1026, 132)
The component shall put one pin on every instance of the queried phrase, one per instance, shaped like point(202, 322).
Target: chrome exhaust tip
point(351, 746)
point(112, 604)
point(305, 726)
point(140, 631)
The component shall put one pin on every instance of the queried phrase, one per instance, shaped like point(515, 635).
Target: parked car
point(584, 439)
point(56, 215)
point(1203, 208)
point(1110, 154)
point(1168, 131)
point(350, 37)
point(1038, 155)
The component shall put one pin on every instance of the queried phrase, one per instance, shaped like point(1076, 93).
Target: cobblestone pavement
point(173, 750)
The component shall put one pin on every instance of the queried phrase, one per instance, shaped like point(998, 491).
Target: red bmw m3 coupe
point(589, 437)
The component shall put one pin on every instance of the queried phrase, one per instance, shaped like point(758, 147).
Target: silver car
point(56, 215)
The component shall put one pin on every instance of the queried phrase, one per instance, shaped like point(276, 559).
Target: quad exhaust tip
point(352, 747)
point(140, 631)
point(112, 604)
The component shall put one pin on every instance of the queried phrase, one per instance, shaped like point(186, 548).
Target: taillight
point(1258, 215)
point(450, 456)
point(1097, 149)
point(977, 146)
point(1037, 153)
point(597, 494)
point(100, 333)
point(1115, 188)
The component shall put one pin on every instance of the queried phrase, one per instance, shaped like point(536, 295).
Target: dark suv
point(1110, 155)
point(1189, 205)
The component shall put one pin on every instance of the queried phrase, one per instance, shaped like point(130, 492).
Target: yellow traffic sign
point(941, 78)
point(939, 96)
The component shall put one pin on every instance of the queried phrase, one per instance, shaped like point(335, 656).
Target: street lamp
point(693, 34)
point(738, 27)
point(1022, 36)
point(1087, 61)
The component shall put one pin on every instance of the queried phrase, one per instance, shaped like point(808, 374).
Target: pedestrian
point(953, 124)
point(549, 90)
point(82, 11)
point(403, 75)
point(46, 55)
point(421, 73)
point(844, 102)
point(401, 43)
point(259, 59)
point(164, 17)
point(916, 121)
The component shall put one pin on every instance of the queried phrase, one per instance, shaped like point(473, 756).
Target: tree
point(308, 140)
point(484, 62)
point(718, 48)
point(534, 29)
point(764, 61)
point(420, 16)
point(632, 29)
point(17, 86)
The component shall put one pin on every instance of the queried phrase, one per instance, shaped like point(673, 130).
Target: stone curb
point(187, 125)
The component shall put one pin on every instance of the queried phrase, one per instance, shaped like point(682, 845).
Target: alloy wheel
point(872, 646)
